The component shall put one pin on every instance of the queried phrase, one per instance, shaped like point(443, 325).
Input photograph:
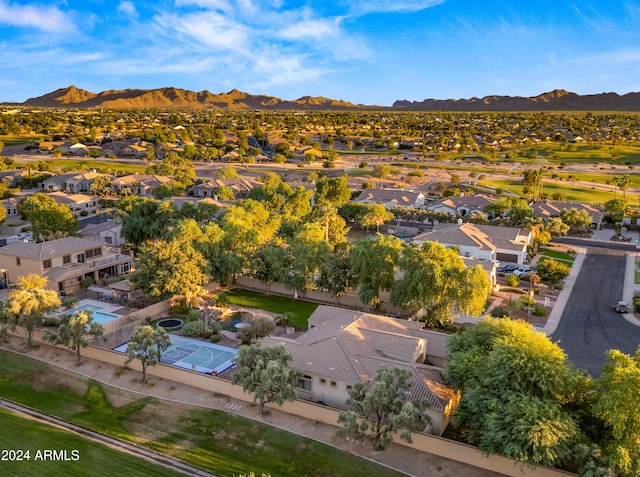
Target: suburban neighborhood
point(407, 294)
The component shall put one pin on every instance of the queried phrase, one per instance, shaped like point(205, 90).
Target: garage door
point(507, 257)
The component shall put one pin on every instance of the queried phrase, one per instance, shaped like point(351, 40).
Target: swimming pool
point(98, 316)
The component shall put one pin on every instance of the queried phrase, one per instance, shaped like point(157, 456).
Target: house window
point(334, 384)
point(108, 240)
point(305, 383)
point(18, 261)
point(66, 259)
point(97, 251)
point(46, 263)
point(88, 253)
point(125, 268)
point(323, 381)
point(80, 258)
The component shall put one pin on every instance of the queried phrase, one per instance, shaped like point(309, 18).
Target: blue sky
point(363, 51)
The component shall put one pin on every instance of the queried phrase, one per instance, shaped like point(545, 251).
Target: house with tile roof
point(81, 204)
point(139, 184)
point(343, 347)
point(551, 208)
point(482, 242)
point(392, 198)
point(463, 205)
point(64, 262)
point(240, 187)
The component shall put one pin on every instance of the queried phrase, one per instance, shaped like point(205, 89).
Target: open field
point(300, 310)
point(17, 140)
point(573, 192)
point(19, 433)
point(225, 444)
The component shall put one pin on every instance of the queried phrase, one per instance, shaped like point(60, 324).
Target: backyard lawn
point(222, 443)
point(300, 310)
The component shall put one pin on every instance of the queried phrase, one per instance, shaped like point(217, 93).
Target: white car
point(522, 271)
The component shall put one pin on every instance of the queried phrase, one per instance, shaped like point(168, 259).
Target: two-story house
point(482, 242)
point(65, 262)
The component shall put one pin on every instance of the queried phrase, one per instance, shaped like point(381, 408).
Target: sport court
point(195, 355)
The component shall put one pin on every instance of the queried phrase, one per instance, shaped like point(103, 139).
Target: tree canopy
point(147, 345)
point(265, 373)
point(436, 282)
point(75, 330)
point(383, 407)
point(26, 305)
point(48, 219)
point(520, 395)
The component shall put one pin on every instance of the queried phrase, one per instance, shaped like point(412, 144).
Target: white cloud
point(311, 29)
point(362, 7)
point(610, 58)
point(42, 17)
point(128, 8)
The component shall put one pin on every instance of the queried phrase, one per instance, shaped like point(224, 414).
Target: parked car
point(508, 268)
point(523, 270)
point(622, 307)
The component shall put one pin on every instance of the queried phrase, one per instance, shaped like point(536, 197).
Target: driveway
point(589, 325)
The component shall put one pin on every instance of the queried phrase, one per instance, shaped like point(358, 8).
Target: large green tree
point(577, 220)
point(618, 406)
point(27, 304)
point(49, 220)
point(373, 264)
point(334, 191)
point(168, 268)
point(75, 331)
point(520, 395)
point(265, 373)
point(383, 407)
point(147, 345)
point(436, 281)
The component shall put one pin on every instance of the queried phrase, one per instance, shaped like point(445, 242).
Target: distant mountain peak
point(172, 97)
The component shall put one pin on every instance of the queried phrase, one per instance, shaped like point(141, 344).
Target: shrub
point(215, 338)
point(539, 310)
point(84, 213)
point(50, 322)
point(513, 280)
point(499, 312)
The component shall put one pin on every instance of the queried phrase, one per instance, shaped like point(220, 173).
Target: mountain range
point(557, 100)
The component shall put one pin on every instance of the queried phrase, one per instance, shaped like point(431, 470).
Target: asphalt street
point(589, 325)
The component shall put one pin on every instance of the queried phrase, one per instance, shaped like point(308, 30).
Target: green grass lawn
point(222, 443)
point(573, 192)
point(16, 140)
point(25, 434)
point(557, 255)
point(299, 309)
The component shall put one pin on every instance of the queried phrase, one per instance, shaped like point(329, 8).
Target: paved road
point(627, 246)
point(589, 325)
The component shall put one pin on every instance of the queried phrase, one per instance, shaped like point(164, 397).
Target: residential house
point(82, 182)
point(482, 242)
point(133, 151)
point(551, 208)
point(81, 204)
point(108, 232)
point(343, 347)
point(139, 184)
point(240, 187)
point(463, 205)
point(65, 262)
point(392, 198)
point(11, 206)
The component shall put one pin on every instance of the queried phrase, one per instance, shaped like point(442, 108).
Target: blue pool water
point(98, 316)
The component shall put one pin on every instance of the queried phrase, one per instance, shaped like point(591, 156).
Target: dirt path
point(403, 459)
